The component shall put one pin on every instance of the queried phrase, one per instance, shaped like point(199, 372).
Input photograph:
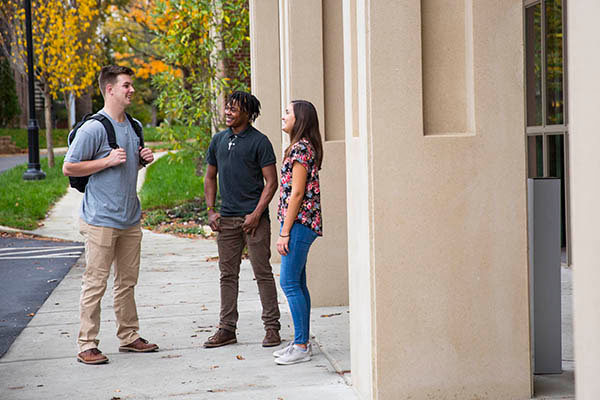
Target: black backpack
point(80, 182)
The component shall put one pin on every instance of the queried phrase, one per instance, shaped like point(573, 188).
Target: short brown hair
point(109, 74)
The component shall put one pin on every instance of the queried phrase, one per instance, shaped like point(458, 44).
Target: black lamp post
point(33, 167)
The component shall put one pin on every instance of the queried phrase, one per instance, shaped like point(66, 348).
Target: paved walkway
point(178, 305)
point(8, 161)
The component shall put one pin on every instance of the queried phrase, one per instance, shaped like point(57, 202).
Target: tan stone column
point(583, 33)
point(358, 166)
point(311, 33)
point(438, 169)
point(264, 60)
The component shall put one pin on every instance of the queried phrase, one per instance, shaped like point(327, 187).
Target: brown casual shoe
point(272, 338)
point(139, 345)
point(92, 356)
point(221, 338)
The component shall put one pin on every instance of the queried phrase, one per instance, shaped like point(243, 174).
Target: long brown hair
point(306, 126)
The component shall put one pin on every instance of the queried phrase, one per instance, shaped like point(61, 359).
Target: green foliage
point(23, 204)
point(19, 137)
point(152, 135)
point(9, 103)
point(200, 36)
point(170, 182)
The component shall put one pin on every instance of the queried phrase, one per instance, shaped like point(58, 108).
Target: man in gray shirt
point(110, 216)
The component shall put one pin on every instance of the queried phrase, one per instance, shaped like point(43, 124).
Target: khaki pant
point(103, 245)
point(231, 241)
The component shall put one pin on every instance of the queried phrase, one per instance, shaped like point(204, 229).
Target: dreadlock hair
point(247, 103)
point(306, 126)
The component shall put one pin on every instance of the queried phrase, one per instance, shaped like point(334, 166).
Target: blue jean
point(293, 280)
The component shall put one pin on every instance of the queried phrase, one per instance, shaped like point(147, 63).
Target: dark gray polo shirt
point(239, 160)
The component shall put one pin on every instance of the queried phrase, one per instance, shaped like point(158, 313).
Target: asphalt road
point(30, 269)
point(12, 160)
point(7, 162)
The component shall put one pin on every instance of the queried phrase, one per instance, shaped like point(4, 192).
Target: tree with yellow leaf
point(64, 49)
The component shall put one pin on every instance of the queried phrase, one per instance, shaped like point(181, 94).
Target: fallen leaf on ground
point(214, 367)
point(172, 356)
point(16, 387)
point(239, 357)
point(330, 315)
point(215, 390)
point(212, 258)
point(30, 314)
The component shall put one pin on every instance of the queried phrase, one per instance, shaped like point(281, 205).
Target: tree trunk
point(154, 115)
point(21, 85)
point(48, 119)
point(83, 104)
point(70, 106)
point(218, 110)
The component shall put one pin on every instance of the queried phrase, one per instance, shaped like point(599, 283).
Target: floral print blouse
point(309, 213)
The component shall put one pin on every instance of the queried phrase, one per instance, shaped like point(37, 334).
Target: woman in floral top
point(300, 216)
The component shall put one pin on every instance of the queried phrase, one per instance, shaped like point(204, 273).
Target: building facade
point(424, 113)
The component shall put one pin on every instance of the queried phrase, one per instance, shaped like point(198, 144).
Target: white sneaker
point(294, 355)
point(280, 352)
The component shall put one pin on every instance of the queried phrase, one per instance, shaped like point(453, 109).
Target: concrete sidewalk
point(178, 306)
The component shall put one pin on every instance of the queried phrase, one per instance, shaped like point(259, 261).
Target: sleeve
point(266, 155)
point(86, 143)
point(300, 154)
point(211, 153)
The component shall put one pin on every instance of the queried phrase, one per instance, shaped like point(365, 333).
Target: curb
point(334, 363)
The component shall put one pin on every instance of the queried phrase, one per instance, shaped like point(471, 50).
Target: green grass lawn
point(168, 183)
point(19, 137)
point(23, 204)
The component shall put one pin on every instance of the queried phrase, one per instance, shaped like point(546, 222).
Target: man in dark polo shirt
point(244, 160)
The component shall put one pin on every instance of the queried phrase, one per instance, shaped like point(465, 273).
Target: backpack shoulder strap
point(76, 127)
point(109, 128)
point(137, 128)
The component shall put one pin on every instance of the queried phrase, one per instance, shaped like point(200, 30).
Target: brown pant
point(231, 241)
point(103, 245)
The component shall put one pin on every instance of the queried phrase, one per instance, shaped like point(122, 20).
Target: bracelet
point(208, 208)
point(284, 236)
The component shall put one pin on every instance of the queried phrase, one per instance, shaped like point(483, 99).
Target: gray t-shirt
point(110, 197)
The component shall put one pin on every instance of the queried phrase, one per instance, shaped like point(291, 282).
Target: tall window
point(547, 128)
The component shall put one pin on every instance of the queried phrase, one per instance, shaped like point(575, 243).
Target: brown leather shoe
point(221, 338)
point(272, 338)
point(139, 345)
point(92, 356)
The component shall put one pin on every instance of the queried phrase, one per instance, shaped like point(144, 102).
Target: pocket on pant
point(100, 235)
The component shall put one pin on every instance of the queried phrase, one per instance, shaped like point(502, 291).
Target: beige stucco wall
point(584, 164)
point(303, 76)
point(447, 223)
point(264, 60)
point(437, 249)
